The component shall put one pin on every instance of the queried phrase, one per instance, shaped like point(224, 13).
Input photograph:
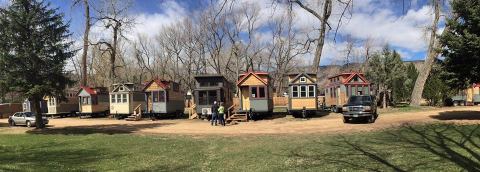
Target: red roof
point(89, 90)
point(161, 83)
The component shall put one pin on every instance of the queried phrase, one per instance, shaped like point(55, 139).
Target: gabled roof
point(360, 75)
point(161, 83)
point(255, 74)
point(307, 75)
point(87, 89)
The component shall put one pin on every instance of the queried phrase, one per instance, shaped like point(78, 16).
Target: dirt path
point(331, 123)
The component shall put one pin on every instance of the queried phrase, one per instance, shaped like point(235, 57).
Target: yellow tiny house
point(93, 101)
point(302, 97)
point(255, 92)
point(63, 108)
point(124, 98)
point(163, 97)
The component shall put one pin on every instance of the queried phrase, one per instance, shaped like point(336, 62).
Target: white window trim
point(303, 79)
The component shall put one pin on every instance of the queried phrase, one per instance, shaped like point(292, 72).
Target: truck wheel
point(345, 119)
point(371, 119)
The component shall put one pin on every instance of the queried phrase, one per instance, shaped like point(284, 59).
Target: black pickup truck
point(360, 107)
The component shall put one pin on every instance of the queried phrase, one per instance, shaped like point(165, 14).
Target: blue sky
point(400, 24)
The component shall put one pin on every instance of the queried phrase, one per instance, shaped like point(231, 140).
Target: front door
point(245, 98)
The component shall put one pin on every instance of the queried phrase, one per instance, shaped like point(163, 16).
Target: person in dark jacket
point(214, 113)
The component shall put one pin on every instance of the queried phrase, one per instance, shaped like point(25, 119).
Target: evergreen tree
point(386, 70)
point(33, 51)
point(461, 44)
point(436, 87)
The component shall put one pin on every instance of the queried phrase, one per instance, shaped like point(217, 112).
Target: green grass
point(404, 108)
point(435, 147)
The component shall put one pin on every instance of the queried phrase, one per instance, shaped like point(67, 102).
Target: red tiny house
point(340, 87)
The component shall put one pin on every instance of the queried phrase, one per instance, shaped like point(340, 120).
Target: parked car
point(24, 118)
point(360, 107)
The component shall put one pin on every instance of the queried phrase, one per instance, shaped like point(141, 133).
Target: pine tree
point(383, 70)
point(461, 44)
point(33, 51)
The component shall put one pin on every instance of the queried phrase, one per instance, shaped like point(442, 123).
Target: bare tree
point(433, 52)
point(115, 17)
point(85, 40)
point(323, 18)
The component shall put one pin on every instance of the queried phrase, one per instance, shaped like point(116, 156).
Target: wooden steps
point(137, 114)
point(238, 117)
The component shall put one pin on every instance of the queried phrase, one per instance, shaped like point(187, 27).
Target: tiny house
point(210, 88)
point(341, 87)
point(28, 106)
point(302, 98)
point(93, 101)
point(125, 98)
point(63, 108)
point(468, 96)
point(255, 92)
point(163, 97)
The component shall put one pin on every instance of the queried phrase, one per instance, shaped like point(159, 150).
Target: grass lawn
point(433, 147)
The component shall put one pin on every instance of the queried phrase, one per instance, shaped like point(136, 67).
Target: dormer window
point(303, 79)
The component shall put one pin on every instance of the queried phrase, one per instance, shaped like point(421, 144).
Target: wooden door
point(245, 98)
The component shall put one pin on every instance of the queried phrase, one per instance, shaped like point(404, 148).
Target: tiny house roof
point(257, 75)
point(350, 76)
point(299, 75)
point(161, 83)
point(93, 91)
point(209, 76)
point(128, 87)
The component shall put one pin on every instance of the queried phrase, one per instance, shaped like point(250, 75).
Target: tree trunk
point(113, 53)
point(38, 113)
point(384, 101)
point(427, 65)
point(85, 42)
point(327, 9)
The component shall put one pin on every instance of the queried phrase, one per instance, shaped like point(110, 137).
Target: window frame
point(295, 91)
point(303, 79)
point(125, 98)
point(303, 91)
point(257, 91)
point(313, 91)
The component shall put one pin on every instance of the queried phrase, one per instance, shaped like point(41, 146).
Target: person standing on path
point(221, 113)
point(214, 113)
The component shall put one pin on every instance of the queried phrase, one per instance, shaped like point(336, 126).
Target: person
point(214, 113)
point(221, 113)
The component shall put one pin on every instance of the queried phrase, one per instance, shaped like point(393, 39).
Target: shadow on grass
point(98, 129)
point(458, 115)
point(50, 156)
point(428, 147)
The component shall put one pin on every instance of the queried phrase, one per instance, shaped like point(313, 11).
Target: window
point(212, 96)
point(311, 91)
point(155, 96)
point(367, 90)
point(353, 90)
point(202, 98)
point(261, 92)
point(294, 91)
point(176, 87)
point(113, 99)
point(85, 100)
point(121, 88)
point(303, 79)
point(303, 91)
point(119, 98)
point(161, 96)
point(124, 98)
point(253, 92)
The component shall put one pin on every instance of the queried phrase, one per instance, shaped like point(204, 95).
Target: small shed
point(125, 98)
point(255, 92)
point(57, 107)
point(210, 88)
point(93, 101)
point(302, 94)
point(163, 97)
point(340, 87)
